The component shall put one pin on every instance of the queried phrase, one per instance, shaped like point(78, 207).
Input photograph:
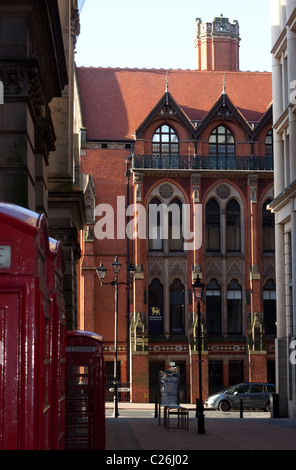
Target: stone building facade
point(39, 161)
point(199, 144)
point(283, 30)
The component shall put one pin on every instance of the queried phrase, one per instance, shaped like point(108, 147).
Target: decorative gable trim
point(167, 108)
point(224, 104)
point(266, 119)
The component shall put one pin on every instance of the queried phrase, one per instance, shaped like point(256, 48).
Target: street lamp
point(102, 271)
point(198, 288)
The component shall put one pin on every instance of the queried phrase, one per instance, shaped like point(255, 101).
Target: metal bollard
point(241, 408)
point(156, 408)
point(196, 407)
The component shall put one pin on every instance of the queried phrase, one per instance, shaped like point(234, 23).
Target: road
point(135, 411)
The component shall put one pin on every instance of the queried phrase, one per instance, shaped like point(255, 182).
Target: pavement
point(136, 429)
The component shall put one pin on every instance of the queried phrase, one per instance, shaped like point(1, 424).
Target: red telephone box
point(26, 331)
point(54, 275)
point(85, 391)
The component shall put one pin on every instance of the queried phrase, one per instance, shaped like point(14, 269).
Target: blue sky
point(160, 33)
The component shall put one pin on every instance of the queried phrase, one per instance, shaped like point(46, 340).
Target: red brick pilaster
point(194, 376)
point(140, 378)
point(257, 366)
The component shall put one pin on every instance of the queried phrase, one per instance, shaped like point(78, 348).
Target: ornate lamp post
point(102, 271)
point(198, 288)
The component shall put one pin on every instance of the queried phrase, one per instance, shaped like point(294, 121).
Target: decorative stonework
point(235, 268)
point(268, 269)
point(13, 80)
point(166, 191)
point(220, 348)
point(155, 268)
point(44, 137)
point(171, 348)
point(75, 24)
point(176, 268)
point(214, 268)
point(168, 269)
point(223, 191)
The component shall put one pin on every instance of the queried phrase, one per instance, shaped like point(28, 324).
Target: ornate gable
point(166, 109)
point(224, 110)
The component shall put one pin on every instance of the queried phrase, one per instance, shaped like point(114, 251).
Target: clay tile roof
point(116, 101)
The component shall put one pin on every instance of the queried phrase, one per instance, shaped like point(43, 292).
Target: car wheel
point(224, 406)
point(267, 406)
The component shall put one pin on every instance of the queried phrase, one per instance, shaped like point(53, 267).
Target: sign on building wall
point(156, 319)
point(169, 386)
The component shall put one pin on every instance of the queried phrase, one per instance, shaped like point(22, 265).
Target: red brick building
point(195, 139)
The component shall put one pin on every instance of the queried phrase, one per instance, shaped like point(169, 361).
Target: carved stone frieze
point(218, 268)
point(235, 267)
point(214, 268)
point(36, 91)
point(177, 268)
point(75, 24)
point(169, 269)
point(155, 268)
point(13, 79)
point(24, 80)
point(44, 137)
point(268, 269)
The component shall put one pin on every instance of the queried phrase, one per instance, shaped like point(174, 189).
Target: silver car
point(253, 395)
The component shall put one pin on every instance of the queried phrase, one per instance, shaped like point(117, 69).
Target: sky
point(160, 33)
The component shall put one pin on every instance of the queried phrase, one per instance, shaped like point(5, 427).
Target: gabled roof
point(224, 103)
point(266, 118)
point(117, 101)
point(167, 102)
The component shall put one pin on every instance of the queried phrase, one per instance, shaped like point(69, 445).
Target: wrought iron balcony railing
point(210, 162)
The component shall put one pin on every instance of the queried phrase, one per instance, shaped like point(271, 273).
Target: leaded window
point(234, 308)
point(213, 295)
point(233, 226)
point(165, 141)
point(222, 148)
point(213, 226)
point(177, 307)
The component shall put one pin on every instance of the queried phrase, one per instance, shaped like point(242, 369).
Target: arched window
point(213, 226)
point(155, 307)
point(155, 242)
point(165, 141)
point(233, 226)
point(268, 236)
point(234, 308)
point(213, 294)
point(177, 308)
point(269, 307)
point(176, 241)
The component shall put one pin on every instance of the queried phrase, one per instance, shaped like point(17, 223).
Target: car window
point(269, 388)
point(230, 391)
point(256, 388)
point(242, 389)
